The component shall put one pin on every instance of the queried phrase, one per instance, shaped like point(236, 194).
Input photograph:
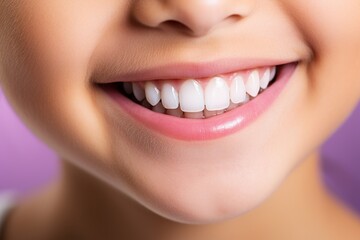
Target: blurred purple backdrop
point(27, 164)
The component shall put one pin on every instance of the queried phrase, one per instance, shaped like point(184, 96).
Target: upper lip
point(187, 70)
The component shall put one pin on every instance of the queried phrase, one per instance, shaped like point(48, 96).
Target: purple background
point(27, 164)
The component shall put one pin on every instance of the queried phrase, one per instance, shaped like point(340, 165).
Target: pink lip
point(210, 128)
point(174, 71)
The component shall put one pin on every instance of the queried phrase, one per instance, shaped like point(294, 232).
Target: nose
point(193, 17)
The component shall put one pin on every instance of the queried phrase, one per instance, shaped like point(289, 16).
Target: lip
point(185, 70)
point(209, 128)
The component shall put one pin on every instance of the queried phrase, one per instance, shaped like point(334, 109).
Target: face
point(76, 73)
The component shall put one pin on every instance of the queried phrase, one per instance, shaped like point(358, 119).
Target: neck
point(85, 208)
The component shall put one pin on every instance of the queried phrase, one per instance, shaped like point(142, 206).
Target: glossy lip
point(209, 128)
point(175, 71)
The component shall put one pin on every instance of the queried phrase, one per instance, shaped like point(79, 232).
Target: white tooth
point(272, 73)
point(169, 96)
point(217, 94)
point(152, 93)
point(139, 93)
point(128, 88)
point(264, 81)
point(237, 90)
point(253, 84)
point(191, 96)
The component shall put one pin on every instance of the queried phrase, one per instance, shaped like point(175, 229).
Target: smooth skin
point(120, 180)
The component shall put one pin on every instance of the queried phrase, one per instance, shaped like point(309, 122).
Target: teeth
point(169, 96)
point(237, 90)
point(152, 93)
point(272, 73)
point(139, 93)
point(128, 88)
point(264, 81)
point(191, 101)
point(217, 94)
point(253, 84)
point(191, 96)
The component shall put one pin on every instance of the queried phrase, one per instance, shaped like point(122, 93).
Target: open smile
point(199, 108)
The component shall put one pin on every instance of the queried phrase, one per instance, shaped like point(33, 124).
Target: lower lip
point(209, 128)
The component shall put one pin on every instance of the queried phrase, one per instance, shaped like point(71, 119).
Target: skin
point(118, 173)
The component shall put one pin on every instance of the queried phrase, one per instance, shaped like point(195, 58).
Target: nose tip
point(196, 18)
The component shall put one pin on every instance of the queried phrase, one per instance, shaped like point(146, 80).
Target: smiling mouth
point(199, 98)
point(169, 101)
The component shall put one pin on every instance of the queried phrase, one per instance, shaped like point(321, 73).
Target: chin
point(204, 201)
point(203, 209)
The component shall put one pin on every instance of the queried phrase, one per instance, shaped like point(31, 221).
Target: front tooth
point(169, 96)
point(139, 93)
point(191, 96)
point(217, 94)
point(253, 84)
point(264, 81)
point(237, 90)
point(152, 93)
point(272, 73)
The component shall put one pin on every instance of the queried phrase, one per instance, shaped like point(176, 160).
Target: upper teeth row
point(192, 97)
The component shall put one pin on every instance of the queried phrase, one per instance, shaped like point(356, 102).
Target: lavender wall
point(26, 163)
point(341, 161)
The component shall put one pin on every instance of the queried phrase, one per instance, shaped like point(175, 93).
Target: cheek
point(326, 23)
point(48, 54)
point(330, 27)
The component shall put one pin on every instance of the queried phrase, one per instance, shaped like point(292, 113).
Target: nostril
point(234, 18)
point(176, 25)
